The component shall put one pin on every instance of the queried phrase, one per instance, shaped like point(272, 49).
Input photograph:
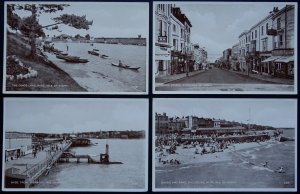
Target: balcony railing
point(278, 45)
point(162, 39)
point(272, 32)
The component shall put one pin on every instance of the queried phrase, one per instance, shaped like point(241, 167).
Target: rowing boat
point(104, 56)
point(125, 66)
point(93, 53)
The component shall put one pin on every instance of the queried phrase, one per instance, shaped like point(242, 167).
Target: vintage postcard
point(76, 47)
point(225, 47)
point(75, 144)
point(224, 144)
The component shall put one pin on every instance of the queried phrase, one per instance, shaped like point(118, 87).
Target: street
point(216, 79)
point(219, 76)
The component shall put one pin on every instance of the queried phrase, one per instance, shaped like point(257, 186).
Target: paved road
point(220, 76)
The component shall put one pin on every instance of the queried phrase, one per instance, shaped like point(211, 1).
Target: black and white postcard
point(75, 144)
point(225, 47)
point(224, 144)
point(76, 47)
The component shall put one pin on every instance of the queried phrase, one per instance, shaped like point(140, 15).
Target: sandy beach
point(187, 155)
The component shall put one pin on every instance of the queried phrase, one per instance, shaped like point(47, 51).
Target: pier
point(26, 170)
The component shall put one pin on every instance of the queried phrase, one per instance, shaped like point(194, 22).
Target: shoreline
point(188, 157)
point(47, 70)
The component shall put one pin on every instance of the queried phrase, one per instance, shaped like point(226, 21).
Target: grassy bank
point(50, 77)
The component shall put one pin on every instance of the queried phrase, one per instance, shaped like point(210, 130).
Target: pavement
point(268, 78)
point(165, 79)
point(28, 161)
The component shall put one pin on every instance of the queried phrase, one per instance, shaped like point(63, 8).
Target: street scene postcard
point(75, 145)
point(224, 145)
point(225, 47)
point(76, 47)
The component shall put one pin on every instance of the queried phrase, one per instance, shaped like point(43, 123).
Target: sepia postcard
point(75, 144)
point(224, 47)
point(224, 144)
point(76, 47)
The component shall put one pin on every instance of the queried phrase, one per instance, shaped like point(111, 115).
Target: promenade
point(26, 169)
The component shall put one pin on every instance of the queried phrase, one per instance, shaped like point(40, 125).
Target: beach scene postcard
point(225, 47)
point(224, 145)
point(76, 47)
point(90, 145)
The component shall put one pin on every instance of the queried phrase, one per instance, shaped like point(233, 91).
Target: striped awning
point(285, 59)
point(272, 58)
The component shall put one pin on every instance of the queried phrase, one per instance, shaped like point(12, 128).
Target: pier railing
point(36, 170)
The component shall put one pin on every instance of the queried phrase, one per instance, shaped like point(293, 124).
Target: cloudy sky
point(216, 26)
point(109, 19)
point(67, 115)
point(272, 112)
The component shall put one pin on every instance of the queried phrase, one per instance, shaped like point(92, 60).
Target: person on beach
point(67, 47)
point(266, 165)
point(120, 63)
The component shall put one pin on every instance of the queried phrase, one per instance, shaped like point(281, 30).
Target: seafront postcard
point(224, 47)
point(76, 47)
point(224, 145)
point(75, 145)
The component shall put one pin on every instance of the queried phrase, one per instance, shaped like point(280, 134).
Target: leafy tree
point(30, 27)
point(87, 37)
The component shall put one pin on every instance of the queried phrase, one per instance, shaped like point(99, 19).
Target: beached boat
point(104, 56)
point(95, 49)
point(125, 66)
point(75, 60)
point(60, 56)
point(93, 53)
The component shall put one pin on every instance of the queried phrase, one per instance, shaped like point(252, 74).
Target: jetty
point(103, 158)
point(24, 171)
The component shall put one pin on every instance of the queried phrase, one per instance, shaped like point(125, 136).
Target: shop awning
point(285, 59)
point(272, 58)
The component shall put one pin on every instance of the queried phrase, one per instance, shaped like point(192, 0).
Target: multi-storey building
point(162, 38)
point(177, 54)
point(242, 51)
point(283, 32)
point(161, 123)
point(268, 46)
point(173, 51)
point(234, 57)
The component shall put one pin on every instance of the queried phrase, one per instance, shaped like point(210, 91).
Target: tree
point(30, 27)
point(87, 37)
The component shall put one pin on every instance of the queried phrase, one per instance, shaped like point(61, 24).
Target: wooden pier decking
point(25, 171)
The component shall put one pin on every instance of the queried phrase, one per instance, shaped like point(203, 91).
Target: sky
point(271, 112)
point(57, 115)
point(109, 19)
point(217, 26)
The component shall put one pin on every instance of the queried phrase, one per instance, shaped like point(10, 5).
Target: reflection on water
point(90, 75)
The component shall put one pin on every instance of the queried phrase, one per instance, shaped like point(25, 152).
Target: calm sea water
point(236, 173)
point(87, 73)
point(129, 175)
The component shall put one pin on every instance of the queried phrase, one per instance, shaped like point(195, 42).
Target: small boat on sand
point(75, 60)
point(125, 66)
point(104, 56)
point(95, 49)
point(93, 53)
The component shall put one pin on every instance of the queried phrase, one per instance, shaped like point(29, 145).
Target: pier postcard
point(75, 145)
point(76, 47)
point(224, 145)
